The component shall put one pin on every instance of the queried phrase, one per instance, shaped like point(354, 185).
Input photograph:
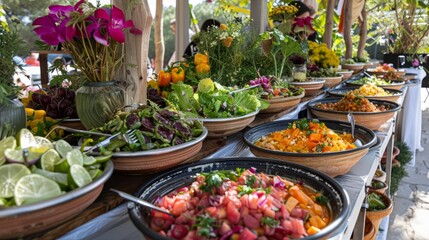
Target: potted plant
point(323, 64)
point(379, 207)
point(94, 36)
point(12, 111)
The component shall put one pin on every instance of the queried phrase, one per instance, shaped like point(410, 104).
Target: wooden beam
point(159, 37)
point(182, 27)
point(348, 7)
point(258, 14)
point(329, 25)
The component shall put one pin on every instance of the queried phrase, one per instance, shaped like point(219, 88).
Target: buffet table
point(116, 224)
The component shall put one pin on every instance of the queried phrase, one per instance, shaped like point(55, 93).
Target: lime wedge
point(62, 166)
point(93, 166)
point(6, 143)
point(74, 157)
point(103, 158)
point(41, 141)
point(95, 173)
point(25, 138)
point(9, 176)
point(35, 188)
point(49, 159)
point(63, 148)
point(89, 160)
point(78, 176)
point(16, 156)
point(60, 178)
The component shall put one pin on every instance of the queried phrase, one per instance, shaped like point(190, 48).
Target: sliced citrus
point(25, 138)
point(7, 143)
point(103, 158)
point(49, 159)
point(9, 176)
point(17, 156)
point(95, 173)
point(89, 160)
point(35, 188)
point(41, 141)
point(63, 148)
point(74, 157)
point(93, 166)
point(62, 166)
point(78, 176)
point(60, 178)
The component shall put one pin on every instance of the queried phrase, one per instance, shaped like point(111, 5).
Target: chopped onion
point(277, 182)
point(252, 169)
point(262, 200)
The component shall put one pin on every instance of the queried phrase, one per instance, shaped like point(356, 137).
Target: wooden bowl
point(29, 219)
point(394, 85)
point(311, 87)
point(279, 104)
point(330, 81)
point(373, 71)
point(156, 160)
point(377, 215)
point(161, 185)
point(222, 127)
point(356, 67)
point(371, 120)
point(341, 92)
point(330, 163)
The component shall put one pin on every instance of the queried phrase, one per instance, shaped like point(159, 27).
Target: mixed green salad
point(374, 80)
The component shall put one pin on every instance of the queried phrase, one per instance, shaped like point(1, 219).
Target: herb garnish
point(205, 224)
point(214, 179)
point(322, 199)
point(270, 222)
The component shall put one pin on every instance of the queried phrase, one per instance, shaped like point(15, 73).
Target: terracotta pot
point(377, 215)
point(379, 175)
point(369, 232)
point(378, 186)
point(395, 153)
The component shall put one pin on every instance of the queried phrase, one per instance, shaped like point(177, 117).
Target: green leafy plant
point(399, 172)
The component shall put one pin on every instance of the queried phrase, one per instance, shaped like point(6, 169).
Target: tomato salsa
point(241, 204)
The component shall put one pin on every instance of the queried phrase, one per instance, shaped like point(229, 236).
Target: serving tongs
point(243, 89)
point(141, 202)
point(352, 122)
point(73, 130)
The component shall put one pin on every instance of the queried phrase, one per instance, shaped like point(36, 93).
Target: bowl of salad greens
point(223, 111)
point(386, 84)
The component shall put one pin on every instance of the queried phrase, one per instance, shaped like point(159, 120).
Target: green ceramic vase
point(12, 117)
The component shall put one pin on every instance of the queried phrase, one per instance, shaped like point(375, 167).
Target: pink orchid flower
point(303, 24)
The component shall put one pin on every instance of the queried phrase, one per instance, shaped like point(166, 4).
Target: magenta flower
point(116, 23)
point(303, 24)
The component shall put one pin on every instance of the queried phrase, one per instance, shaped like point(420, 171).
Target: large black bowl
point(184, 175)
point(371, 120)
point(331, 163)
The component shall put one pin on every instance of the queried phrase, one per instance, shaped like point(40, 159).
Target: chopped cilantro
point(251, 180)
point(215, 178)
point(322, 199)
point(205, 224)
point(270, 222)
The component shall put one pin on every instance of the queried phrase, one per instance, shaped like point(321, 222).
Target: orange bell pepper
point(164, 78)
point(203, 68)
point(200, 58)
point(177, 75)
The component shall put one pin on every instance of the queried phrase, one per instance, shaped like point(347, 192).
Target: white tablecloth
point(412, 115)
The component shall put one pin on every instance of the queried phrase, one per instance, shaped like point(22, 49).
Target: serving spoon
point(351, 120)
point(141, 202)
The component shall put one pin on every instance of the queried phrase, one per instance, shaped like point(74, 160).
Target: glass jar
point(97, 102)
point(299, 73)
point(12, 117)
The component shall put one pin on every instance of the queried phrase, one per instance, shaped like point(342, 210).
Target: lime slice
point(9, 176)
point(74, 157)
point(93, 166)
point(41, 141)
point(60, 178)
point(62, 166)
point(89, 160)
point(35, 188)
point(205, 85)
point(17, 156)
point(78, 176)
point(95, 173)
point(25, 138)
point(103, 158)
point(6, 143)
point(49, 159)
point(63, 148)
point(3, 202)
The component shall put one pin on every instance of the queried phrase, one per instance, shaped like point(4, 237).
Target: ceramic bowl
point(331, 163)
point(279, 104)
point(29, 219)
point(222, 127)
point(355, 67)
point(311, 87)
point(156, 160)
point(341, 92)
point(330, 81)
point(373, 71)
point(347, 74)
point(394, 85)
point(184, 175)
point(371, 120)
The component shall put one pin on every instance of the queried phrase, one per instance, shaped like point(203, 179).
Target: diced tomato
point(246, 234)
point(287, 225)
point(253, 201)
point(268, 230)
point(244, 211)
point(179, 207)
point(192, 235)
point(193, 202)
point(232, 213)
point(236, 201)
point(269, 213)
point(250, 222)
point(277, 203)
point(224, 228)
point(257, 215)
point(211, 211)
point(179, 231)
point(245, 200)
point(284, 212)
point(204, 202)
point(297, 226)
point(221, 213)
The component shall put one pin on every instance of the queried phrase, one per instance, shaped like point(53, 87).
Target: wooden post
point(133, 78)
point(159, 37)
point(329, 25)
point(258, 14)
point(363, 34)
point(182, 27)
point(348, 5)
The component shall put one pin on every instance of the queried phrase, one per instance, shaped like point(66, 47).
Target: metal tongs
point(243, 89)
point(351, 120)
point(77, 131)
point(141, 202)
